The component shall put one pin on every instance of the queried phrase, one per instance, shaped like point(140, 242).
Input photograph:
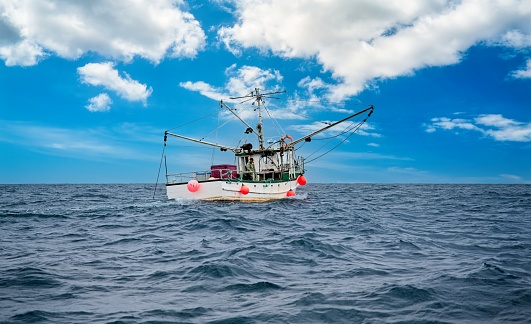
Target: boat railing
point(231, 174)
point(187, 176)
point(202, 175)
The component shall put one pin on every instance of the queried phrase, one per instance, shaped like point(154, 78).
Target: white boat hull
point(224, 190)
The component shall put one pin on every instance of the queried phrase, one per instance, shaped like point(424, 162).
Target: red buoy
point(290, 193)
point(301, 180)
point(193, 185)
point(244, 190)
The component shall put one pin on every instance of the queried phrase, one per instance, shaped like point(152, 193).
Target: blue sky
point(89, 87)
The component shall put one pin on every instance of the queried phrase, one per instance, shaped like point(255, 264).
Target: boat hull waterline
point(223, 190)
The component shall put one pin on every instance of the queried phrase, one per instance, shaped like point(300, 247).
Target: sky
point(89, 87)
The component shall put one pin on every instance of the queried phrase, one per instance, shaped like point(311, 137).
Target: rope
point(277, 126)
point(346, 130)
point(193, 121)
point(158, 174)
point(217, 128)
point(213, 149)
point(354, 129)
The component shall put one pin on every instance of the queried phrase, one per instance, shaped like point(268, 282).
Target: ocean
point(335, 253)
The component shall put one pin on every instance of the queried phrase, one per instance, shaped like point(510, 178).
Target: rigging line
point(217, 128)
point(250, 94)
point(349, 128)
point(213, 149)
point(319, 121)
point(252, 98)
point(346, 130)
point(303, 143)
point(307, 117)
point(158, 173)
point(241, 109)
point(274, 121)
point(268, 97)
point(333, 148)
point(324, 102)
point(323, 105)
point(193, 121)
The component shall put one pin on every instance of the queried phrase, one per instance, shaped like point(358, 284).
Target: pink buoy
point(244, 190)
point(193, 185)
point(301, 180)
point(290, 193)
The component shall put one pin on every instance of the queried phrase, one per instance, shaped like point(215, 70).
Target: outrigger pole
point(249, 128)
point(234, 149)
point(371, 108)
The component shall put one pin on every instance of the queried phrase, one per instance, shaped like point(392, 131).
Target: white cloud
point(492, 125)
point(101, 102)
point(516, 39)
point(152, 29)
point(449, 124)
point(511, 177)
point(204, 89)
point(24, 53)
point(240, 82)
point(495, 120)
point(104, 74)
point(312, 85)
point(364, 40)
point(243, 80)
point(524, 73)
point(250, 77)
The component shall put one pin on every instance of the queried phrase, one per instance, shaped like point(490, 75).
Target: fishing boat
point(268, 172)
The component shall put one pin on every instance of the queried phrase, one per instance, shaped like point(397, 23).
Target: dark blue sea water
point(337, 253)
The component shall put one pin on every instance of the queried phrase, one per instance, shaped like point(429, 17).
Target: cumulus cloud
point(493, 125)
point(114, 29)
point(241, 81)
point(364, 40)
point(104, 74)
point(101, 102)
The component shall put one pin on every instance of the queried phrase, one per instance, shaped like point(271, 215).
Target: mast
point(260, 120)
point(256, 93)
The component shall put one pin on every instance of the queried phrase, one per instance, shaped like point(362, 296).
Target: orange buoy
point(193, 185)
point(290, 193)
point(244, 190)
point(301, 180)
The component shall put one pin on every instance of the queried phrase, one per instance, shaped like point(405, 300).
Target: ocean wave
point(29, 277)
point(338, 253)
